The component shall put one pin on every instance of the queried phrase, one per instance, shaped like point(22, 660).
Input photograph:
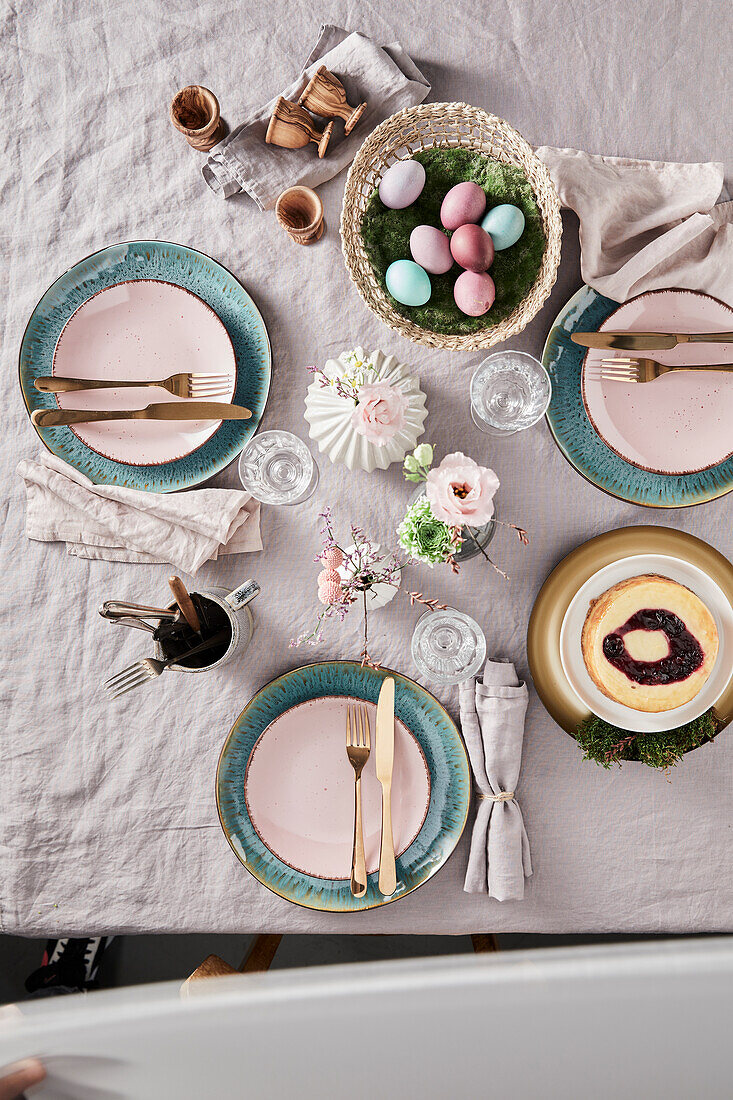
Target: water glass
point(510, 391)
point(448, 646)
point(277, 468)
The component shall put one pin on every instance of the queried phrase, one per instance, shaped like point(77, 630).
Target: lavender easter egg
point(474, 293)
point(431, 249)
point(402, 184)
point(504, 224)
point(472, 247)
point(465, 202)
point(408, 283)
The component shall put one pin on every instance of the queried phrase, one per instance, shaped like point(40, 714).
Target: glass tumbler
point(448, 646)
point(510, 391)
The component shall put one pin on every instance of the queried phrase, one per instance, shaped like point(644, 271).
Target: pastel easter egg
point(505, 225)
point(401, 184)
point(465, 202)
point(431, 249)
point(474, 293)
point(472, 247)
point(408, 283)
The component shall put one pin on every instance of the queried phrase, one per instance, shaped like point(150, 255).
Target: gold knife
point(385, 761)
point(647, 341)
point(165, 410)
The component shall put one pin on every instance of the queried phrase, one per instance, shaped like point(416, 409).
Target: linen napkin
point(647, 225)
point(117, 524)
point(383, 76)
point(492, 723)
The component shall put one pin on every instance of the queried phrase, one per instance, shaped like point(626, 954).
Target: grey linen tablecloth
point(107, 813)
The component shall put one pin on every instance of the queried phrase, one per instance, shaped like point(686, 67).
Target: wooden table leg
point(484, 942)
point(260, 955)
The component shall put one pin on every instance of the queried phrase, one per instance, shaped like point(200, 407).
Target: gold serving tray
point(553, 600)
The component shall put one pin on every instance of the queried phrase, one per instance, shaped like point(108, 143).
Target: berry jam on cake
point(649, 643)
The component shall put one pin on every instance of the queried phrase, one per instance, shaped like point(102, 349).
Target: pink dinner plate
point(299, 790)
point(680, 423)
point(142, 329)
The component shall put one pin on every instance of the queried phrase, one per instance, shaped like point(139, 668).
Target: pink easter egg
point(472, 247)
point(465, 202)
point(474, 292)
point(431, 249)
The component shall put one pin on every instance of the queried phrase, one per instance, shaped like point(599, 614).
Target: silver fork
point(627, 369)
point(358, 744)
point(195, 385)
point(136, 675)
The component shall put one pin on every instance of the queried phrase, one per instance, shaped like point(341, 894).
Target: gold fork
point(625, 369)
point(196, 385)
point(358, 744)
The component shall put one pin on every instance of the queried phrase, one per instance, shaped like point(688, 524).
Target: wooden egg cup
point(300, 212)
point(291, 127)
point(325, 95)
point(195, 113)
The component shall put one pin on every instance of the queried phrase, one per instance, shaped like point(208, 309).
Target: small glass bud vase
point(473, 540)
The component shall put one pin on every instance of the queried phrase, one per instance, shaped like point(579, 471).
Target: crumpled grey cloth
point(647, 225)
point(492, 723)
point(112, 523)
point(383, 76)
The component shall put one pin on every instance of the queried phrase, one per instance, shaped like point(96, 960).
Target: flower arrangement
point(348, 575)
point(365, 410)
point(458, 500)
point(381, 408)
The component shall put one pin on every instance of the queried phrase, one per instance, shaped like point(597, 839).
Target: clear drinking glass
point(277, 468)
point(448, 646)
point(510, 391)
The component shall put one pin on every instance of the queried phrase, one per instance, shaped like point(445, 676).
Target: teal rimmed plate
point(577, 439)
point(169, 263)
point(435, 733)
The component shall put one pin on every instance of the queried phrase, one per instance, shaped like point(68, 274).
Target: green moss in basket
point(386, 236)
point(607, 744)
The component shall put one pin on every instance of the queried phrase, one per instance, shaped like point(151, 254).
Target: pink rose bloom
point(461, 492)
point(380, 413)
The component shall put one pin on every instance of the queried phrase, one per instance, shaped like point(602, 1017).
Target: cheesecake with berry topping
point(649, 643)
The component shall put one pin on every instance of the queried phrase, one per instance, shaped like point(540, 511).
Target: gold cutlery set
point(358, 747)
point(628, 369)
point(195, 388)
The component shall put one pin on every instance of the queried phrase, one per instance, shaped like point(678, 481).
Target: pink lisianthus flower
point(380, 413)
point(461, 492)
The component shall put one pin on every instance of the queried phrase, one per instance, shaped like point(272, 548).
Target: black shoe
point(70, 963)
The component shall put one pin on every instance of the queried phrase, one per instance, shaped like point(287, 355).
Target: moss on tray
point(386, 236)
point(607, 744)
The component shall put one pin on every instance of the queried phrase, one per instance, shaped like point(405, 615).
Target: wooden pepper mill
point(299, 211)
point(195, 112)
point(291, 127)
point(325, 95)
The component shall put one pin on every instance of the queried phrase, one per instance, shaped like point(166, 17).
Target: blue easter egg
point(504, 224)
point(408, 283)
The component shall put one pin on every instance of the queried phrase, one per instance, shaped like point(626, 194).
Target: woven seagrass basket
point(448, 125)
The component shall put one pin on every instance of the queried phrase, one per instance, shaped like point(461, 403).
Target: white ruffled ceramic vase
point(329, 413)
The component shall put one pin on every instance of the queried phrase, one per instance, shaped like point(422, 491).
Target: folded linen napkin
point(117, 524)
point(492, 723)
point(647, 225)
point(384, 76)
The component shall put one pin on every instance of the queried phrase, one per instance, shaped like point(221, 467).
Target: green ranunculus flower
point(423, 536)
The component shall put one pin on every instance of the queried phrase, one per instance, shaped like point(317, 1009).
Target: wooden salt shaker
point(195, 112)
point(300, 212)
point(291, 127)
point(325, 95)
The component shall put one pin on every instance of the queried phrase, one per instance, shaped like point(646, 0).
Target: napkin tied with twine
point(117, 524)
point(647, 225)
point(492, 723)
